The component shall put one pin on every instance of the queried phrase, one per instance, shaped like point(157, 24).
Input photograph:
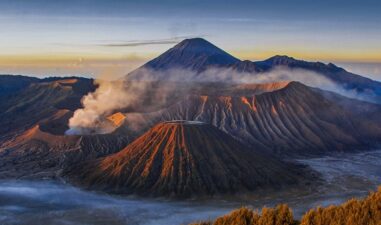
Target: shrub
point(354, 212)
point(365, 211)
point(280, 215)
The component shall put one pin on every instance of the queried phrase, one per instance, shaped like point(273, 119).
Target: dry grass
point(353, 212)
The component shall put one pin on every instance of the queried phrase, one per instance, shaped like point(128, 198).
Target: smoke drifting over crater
point(112, 96)
point(108, 97)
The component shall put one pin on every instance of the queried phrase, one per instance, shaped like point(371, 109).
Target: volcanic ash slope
point(184, 159)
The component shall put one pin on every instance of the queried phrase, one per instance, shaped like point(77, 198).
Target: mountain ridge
point(295, 120)
point(189, 56)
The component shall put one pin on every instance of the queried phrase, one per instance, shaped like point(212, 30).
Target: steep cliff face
point(295, 120)
point(185, 158)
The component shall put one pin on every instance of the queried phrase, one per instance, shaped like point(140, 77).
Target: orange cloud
point(60, 65)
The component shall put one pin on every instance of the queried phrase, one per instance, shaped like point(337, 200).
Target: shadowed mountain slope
point(10, 84)
point(37, 153)
point(185, 158)
point(348, 80)
point(38, 100)
point(33, 117)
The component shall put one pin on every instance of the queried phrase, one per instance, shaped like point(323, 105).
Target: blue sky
point(41, 37)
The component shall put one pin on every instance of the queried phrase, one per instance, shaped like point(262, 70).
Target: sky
point(112, 37)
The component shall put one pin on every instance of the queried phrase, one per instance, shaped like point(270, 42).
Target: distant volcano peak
point(198, 45)
point(196, 54)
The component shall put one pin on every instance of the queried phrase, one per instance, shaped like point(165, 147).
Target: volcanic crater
point(183, 159)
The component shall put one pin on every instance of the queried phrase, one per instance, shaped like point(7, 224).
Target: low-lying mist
point(128, 92)
point(47, 202)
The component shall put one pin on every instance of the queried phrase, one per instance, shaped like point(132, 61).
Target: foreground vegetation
point(365, 211)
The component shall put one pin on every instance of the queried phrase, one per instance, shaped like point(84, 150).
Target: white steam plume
point(116, 95)
point(307, 77)
point(109, 96)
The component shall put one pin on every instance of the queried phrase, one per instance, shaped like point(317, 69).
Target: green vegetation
point(354, 212)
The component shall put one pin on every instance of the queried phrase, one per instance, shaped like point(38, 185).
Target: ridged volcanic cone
point(183, 159)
